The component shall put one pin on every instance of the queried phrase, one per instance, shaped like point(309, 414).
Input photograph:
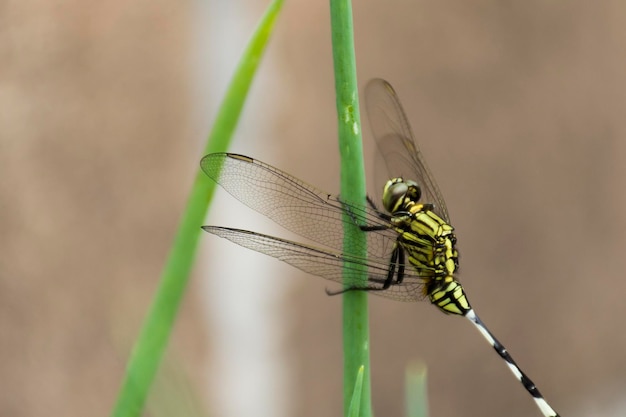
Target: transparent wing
point(295, 205)
point(327, 264)
point(397, 145)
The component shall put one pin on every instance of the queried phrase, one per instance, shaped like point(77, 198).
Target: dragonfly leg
point(366, 228)
point(395, 263)
point(374, 228)
point(379, 213)
point(400, 263)
point(355, 288)
point(371, 203)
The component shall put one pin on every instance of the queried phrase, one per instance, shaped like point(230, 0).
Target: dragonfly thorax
point(429, 241)
point(400, 194)
point(430, 244)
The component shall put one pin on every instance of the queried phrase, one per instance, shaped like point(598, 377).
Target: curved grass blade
point(150, 345)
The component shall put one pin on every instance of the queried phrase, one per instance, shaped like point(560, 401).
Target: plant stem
point(355, 316)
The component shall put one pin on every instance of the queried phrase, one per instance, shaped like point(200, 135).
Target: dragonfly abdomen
point(448, 295)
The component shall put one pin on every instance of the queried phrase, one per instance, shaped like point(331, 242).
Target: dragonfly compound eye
point(398, 192)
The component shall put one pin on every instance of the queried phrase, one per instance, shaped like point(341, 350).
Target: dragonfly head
point(398, 193)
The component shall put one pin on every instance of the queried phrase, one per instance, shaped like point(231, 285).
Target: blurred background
point(104, 109)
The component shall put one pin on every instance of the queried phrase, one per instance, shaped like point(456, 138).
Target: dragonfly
point(410, 245)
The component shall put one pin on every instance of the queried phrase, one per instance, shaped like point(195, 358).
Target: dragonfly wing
point(333, 266)
point(397, 145)
point(294, 204)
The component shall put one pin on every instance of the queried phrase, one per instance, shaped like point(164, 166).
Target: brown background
point(518, 106)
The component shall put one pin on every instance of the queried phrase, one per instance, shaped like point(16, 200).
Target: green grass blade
point(415, 390)
point(355, 402)
point(355, 317)
point(152, 341)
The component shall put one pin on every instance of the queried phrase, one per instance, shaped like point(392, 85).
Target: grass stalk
point(157, 327)
point(355, 313)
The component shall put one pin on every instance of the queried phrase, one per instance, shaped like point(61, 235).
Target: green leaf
point(157, 327)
